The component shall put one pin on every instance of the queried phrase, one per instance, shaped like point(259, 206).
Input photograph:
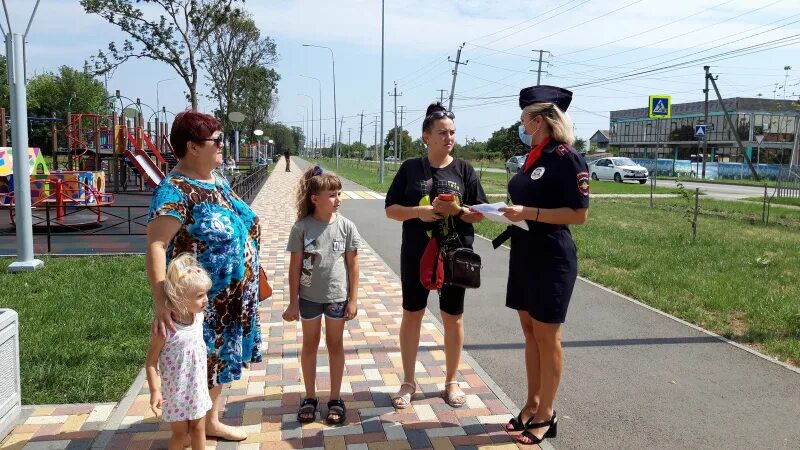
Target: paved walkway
point(266, 399)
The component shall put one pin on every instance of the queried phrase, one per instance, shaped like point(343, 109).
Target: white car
point(515, 163)
point(618, 169)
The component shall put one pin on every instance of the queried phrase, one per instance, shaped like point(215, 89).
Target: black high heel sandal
point(532, 439)
point(516, 423)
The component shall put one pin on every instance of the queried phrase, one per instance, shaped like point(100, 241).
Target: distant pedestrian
point(549, 193)
point(176, 365)
point(323, 281)
point(429, 195)
point(288, 160)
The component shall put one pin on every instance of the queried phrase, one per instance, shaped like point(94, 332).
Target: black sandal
point(336, 408)
point(550, 433)
point(308, 407)
point(516, 423)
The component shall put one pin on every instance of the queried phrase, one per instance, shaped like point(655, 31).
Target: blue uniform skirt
point(543, 266)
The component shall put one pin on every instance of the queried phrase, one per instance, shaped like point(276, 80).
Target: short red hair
point(191, 126)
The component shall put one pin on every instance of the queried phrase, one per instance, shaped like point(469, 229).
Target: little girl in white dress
point(176, 366)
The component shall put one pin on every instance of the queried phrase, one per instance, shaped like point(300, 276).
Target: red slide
point(152, 174)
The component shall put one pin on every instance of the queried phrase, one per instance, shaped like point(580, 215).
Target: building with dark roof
point(635, 135)
point(599, 141)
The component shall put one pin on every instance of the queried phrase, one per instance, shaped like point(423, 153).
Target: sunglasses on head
point(442, 114)
point(218, 141)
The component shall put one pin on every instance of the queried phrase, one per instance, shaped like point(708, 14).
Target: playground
point(94, 195)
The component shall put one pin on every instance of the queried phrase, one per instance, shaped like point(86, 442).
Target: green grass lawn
point(739, 280)
point(84, 327)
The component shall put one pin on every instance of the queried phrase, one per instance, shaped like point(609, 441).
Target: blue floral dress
point(224, 234)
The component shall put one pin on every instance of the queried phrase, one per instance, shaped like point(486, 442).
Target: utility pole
point(400, 148)
point(441, 95)
point(733, 129)
point(395, 95)
point(361, 127)
point(705, 113)
point(455, 74)
point(380, 169)
point(348, 135)
point(539, 70)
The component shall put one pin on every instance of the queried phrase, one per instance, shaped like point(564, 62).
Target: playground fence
point(114, 220)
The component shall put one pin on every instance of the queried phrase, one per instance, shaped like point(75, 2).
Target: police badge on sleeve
point(537, 173)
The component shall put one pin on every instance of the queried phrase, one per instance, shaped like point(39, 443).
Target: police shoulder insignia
point(562, 150)
point(583, 183)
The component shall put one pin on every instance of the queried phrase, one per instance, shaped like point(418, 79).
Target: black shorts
point(415, 296)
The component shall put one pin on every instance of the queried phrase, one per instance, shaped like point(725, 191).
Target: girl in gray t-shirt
point(323, 280)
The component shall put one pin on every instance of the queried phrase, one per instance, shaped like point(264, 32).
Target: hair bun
point(433, 107)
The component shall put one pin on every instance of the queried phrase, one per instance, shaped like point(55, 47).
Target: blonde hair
point(313, 182)
point(559, 122)
point(184, 273)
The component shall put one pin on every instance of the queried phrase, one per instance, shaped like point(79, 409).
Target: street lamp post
point(312, 114)
point(158, 105)
point(15, 57)
point(335, 133)
point(319, 108)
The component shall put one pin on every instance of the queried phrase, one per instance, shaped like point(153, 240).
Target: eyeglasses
point(442, 114)
point(218, 141)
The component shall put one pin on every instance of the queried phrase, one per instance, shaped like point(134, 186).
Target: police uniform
point(543, 264)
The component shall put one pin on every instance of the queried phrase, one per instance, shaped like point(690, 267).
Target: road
point(720, 191)
point(633, 378)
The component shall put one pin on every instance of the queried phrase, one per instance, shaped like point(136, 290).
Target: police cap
point(545, 94)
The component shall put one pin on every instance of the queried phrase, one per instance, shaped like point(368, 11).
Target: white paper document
point(492, 212)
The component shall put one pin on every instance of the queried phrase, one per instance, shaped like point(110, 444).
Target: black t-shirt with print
point(459, 178)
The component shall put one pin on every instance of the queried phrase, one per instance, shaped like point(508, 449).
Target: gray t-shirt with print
point(323, 277)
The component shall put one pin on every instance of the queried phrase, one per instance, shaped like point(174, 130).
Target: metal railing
point(788, 183)
point(81, 225)
point(248, 184)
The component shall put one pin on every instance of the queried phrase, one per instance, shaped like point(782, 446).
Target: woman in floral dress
point(194, 210)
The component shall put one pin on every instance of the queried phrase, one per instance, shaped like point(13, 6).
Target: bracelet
point(418, 212)
point(537, 215)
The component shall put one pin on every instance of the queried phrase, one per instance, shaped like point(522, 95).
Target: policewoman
point(550, 193)
point(429, 195)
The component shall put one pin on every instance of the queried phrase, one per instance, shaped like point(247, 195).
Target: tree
point(51, 95)
point(299, 137)
point(236, 59)
point(506, 142)
point(418, 148)
point(403, 140)
point(5, 96)
point(282, 136)
point(174, 38)
point(255, 96)
point(579, 145)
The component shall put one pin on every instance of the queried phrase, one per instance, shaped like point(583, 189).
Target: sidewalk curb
point(113, 422)
point(683, 322)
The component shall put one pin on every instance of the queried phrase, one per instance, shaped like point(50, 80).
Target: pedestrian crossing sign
point(660, 107)
point(700, 131)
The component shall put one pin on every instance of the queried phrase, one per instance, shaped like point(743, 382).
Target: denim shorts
point(311, 310)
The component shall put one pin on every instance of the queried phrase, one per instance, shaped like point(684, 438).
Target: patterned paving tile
point(266, 399)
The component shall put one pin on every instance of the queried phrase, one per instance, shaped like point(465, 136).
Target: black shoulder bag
point(462, 266)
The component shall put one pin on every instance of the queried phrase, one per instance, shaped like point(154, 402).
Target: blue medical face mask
point(526, 138)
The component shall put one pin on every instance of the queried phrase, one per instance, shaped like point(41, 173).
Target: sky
point(660, 46)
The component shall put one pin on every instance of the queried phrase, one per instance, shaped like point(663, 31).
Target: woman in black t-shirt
point(549, 193)
point(414, 199)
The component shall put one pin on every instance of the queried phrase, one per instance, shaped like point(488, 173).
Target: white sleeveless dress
point(183, 367)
